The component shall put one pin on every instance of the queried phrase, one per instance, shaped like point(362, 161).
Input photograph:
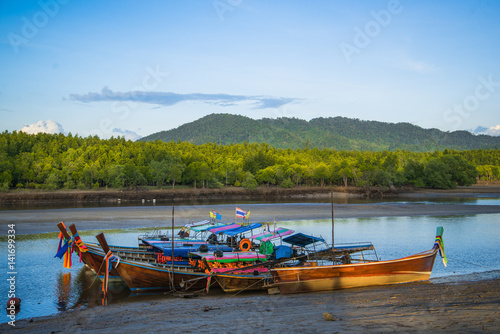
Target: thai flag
point(241, 213)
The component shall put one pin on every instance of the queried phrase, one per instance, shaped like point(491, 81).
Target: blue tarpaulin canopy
point(205, 227)
point(283, 252)
point(302, 240)
point(184, 251)
point(242, 229)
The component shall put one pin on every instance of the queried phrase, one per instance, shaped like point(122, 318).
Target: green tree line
point(46, 161)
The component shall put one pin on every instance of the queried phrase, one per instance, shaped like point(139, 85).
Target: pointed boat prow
point(73, 229)
point(102, 241)
point(439, 244)
point(439, 231)
point(62, 228)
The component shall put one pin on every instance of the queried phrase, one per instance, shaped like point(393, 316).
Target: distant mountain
point(338, 133)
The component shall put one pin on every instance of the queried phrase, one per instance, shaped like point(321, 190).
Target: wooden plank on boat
point(273, 291)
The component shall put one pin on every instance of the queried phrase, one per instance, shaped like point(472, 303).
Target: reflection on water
point(63, 290)
point(38, 205)
point(81, 289)
point(45, 287)
point(477, 199)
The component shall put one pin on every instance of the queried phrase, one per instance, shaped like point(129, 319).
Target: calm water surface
point(471, 244)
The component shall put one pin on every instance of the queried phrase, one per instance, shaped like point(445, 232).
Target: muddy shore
point(41, 221)
point(460, 304)
point(27, 197)
point(183, 194)
point(160, 215)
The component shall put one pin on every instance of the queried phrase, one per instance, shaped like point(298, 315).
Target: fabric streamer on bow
point(81, 246)
point(64, 249)
point(209, 281)
point(440, 244)
point(109, 259)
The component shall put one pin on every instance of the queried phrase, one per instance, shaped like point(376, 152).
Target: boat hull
point(244, 280)
point(95, 261)
point(144, 277)
point(325, 278)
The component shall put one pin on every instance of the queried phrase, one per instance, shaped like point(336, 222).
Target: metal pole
point(172, 242)
point(333, 229)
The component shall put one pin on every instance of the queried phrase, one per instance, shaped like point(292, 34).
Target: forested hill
point(338, 133)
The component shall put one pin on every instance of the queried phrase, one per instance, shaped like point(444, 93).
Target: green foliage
point(45, 161)
point(287, 183)
point(53, 181)
point(249, 182)
point(449, 171)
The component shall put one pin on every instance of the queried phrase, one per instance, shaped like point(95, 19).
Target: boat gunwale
point(427, 253)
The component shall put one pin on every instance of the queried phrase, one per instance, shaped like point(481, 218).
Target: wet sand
point(45, 220)
point(41, 221)
point(460, 304)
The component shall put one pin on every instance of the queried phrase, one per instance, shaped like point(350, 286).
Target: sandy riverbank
point(460, 304)
point(41, 221)
point(160, 215)
point(196, 195)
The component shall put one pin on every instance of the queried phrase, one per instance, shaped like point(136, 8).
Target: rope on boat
point(473, 264)
point(92, 283)
point(248, 287)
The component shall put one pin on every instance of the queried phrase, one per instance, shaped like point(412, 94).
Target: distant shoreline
point(233, 193)
point(23, 197)
point(299, 206)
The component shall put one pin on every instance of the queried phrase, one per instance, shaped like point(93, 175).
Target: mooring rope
point(473, 264)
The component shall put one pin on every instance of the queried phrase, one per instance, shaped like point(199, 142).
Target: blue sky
point(138, 67)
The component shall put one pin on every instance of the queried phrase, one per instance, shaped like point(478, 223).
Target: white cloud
point(491, 131)
point(48, 126)
point(494, 130)
point(129, 135)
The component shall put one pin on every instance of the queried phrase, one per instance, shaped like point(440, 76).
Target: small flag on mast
point(215, 215)
point(241, 213)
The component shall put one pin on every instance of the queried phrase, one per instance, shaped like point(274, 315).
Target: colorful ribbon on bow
point(440, 244)
point(64, 249)
point(81, 246)
point(108, 259)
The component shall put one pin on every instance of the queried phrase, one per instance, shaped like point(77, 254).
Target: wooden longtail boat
point(257, 276)
point(142, 276)
point(311, 278)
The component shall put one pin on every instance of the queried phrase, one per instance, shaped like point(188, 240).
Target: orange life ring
point(245, 244)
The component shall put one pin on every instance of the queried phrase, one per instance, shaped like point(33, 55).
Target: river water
point(45, 287)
